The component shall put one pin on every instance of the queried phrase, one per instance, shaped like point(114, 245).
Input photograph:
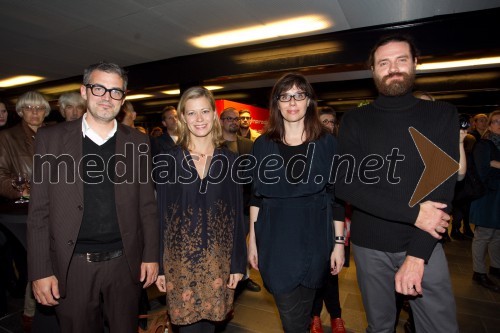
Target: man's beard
point(396, 87)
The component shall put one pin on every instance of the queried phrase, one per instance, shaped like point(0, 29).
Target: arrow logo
point(439, 166)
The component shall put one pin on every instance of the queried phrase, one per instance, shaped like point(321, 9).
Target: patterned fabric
point(204, 241)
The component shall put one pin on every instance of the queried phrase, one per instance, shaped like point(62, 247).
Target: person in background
point(329, 294)
point(16, 157)
point(294, 219)
point(127, 114)
point(72, 106)
point(141, 129)
point(328, 118)
point(485, 212)
point(245, 123)
point(156, 132)
point(201, 219)
point(167, 140)
point(395, 244)
point(479, 125)
point(3, 115)
point(92, 235)
point(229, 120)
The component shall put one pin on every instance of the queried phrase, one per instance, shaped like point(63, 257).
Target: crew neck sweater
point(382, 217)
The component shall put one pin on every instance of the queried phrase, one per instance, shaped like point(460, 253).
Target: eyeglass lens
point(98, 90)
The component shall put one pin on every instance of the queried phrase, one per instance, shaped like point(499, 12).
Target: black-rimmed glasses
point(99, 91)
point(287, 98)
point(326, 121)
point(230, 119)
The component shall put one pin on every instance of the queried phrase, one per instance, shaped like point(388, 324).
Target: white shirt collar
point(92, 135)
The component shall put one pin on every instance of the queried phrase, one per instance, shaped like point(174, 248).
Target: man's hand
point(149, 273)
point(432, 219)
point(408, 279)
point(46, 290)
point(233, 280)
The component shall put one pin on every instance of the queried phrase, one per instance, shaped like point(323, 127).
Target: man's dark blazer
point(245, 148)
point(56, 205)
point(161, 144)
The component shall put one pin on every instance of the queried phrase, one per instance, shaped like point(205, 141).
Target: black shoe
point(495, 272)
point(485, 281)
point(251, 285)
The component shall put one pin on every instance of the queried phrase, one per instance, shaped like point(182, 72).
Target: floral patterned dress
point(203, 235)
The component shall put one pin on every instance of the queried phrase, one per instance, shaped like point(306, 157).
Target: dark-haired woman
point(296, 227)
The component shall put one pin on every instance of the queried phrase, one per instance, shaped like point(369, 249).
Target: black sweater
point(383, 219)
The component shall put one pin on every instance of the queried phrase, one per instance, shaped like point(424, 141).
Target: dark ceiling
point(334, 62)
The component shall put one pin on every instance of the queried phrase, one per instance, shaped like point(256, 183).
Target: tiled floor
point(478, 309)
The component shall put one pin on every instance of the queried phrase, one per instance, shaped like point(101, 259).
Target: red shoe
point(338, 325)
point(316, 326)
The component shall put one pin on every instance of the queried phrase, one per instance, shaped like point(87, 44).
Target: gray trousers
point(433, 312)
point(485, 240)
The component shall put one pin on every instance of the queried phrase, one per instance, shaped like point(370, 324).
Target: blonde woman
point(201, 214)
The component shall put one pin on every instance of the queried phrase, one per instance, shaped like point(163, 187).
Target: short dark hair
point(244, 111)
point(393, 38)
point(327, 110)
point(166, 109)
point(107, 67)
point(228, 109)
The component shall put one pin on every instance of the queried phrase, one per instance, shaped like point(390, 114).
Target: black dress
point(202, 228)
point(294, 233)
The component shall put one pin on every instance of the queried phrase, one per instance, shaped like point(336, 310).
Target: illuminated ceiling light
point(19, 80)
point(288, 27)
point(163, 102)
point(178, 91)
point(61, 89)
point(286, 52)
point(213, 87)
point(172, 92)
point(460, 63)
point(138, 96)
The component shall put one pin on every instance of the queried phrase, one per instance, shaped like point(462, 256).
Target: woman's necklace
point(197, 153)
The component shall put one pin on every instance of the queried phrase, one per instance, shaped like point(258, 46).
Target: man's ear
point(83, 91)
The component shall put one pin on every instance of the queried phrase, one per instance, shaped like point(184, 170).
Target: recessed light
point(19, 80)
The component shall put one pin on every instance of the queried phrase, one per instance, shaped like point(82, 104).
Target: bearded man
point(395, 243)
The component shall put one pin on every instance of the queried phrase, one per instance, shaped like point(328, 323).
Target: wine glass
point(20, 183)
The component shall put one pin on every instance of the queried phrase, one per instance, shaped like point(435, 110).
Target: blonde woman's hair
point(184, 134)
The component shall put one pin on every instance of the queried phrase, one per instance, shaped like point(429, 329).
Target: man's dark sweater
point(383, 219)
point(99, 231)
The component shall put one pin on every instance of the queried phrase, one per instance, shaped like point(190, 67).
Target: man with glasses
point(93, 235)
point(229, 120)
point(328, 118)
point(245, 122)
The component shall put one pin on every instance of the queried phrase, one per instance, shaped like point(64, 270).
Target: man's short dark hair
point(244, 111)
point(327, 110)
point(166, 109)
point(393, 38)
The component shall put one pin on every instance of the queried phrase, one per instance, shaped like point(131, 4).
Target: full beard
point(396, 87)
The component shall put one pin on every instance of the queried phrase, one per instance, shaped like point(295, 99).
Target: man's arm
point(149, 219)
point(45, 284)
